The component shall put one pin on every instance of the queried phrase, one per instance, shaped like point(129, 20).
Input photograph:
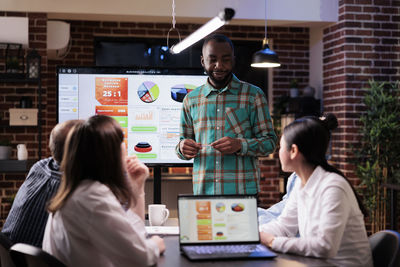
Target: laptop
point(215, 227)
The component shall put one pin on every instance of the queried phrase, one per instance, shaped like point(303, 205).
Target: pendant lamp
point(265, 58)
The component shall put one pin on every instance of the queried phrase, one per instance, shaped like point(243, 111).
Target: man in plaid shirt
point(225, 126)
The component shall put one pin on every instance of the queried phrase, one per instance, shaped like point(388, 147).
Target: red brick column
point(363, 45)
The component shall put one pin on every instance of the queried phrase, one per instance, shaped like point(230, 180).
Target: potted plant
point(377, 158)
point(279, 109)
point(5, 149)
point(294, 88)
point(13, 64)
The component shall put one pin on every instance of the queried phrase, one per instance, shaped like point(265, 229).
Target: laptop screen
point(218, 219)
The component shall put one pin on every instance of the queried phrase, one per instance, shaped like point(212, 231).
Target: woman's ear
point(294, 151)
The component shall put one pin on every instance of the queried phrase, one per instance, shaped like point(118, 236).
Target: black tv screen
point(146, 102)
point(154, 52)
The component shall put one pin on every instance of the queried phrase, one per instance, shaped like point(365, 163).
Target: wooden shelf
point(16, 78)
point(15, 166)
point(16, 126)
point(22, 77)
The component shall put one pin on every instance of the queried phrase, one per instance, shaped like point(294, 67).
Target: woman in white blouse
point(323, 208)
point(97, 216)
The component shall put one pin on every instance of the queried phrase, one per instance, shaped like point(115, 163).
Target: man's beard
point(219, 83)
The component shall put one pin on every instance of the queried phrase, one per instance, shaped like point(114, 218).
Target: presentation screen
point(146, 102)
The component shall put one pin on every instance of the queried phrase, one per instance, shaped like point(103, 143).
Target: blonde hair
point(58, 136)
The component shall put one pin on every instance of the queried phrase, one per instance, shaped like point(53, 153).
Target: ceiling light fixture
point(265, 58)
point(223, 18)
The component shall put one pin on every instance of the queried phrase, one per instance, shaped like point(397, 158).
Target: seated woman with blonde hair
point(323, 208)
point(97, 216)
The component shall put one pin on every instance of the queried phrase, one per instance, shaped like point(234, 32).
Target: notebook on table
point(220, 227)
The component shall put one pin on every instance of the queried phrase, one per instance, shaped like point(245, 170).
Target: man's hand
point(189, 148)
point(227, 145)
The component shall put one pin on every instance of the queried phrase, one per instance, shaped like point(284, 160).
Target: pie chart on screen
point(148, 92)
point(179, 91)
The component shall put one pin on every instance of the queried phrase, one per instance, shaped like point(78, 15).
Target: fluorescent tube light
point(214, 24)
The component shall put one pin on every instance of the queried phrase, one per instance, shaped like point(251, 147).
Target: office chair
point(5, 257)
point(385, 246)
point(25, 255)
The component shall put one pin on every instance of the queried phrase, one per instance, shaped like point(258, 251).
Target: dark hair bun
point(330, 121)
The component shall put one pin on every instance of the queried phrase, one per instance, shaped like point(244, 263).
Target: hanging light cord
point(173, 24)
point(173, 14)
point(265, 24)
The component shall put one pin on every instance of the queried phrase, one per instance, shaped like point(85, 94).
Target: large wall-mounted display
point(146, 102)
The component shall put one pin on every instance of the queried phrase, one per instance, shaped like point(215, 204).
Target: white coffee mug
point(158, 214)
point(22, 153)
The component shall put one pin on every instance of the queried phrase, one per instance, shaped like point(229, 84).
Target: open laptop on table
point(220, 227)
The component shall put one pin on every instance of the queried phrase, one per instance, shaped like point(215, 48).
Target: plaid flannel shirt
point(239, 110)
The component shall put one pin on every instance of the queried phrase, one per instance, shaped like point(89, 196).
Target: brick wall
point(11, 92)
point(290, 43)
point(363, 45)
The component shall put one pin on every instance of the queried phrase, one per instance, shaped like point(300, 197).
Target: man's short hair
point(58, 136)
point(219, 38)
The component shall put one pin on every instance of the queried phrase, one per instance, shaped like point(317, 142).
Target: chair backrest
point(25, 255)
point(5, 258)
point(385, 246)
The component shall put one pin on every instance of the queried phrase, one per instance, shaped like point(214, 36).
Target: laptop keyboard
point(220, 250)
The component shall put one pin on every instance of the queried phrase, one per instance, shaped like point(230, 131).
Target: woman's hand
point(267, 239)
point(160, 243)
point(137, 172)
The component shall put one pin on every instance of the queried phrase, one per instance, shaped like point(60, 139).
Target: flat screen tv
point(146, 102)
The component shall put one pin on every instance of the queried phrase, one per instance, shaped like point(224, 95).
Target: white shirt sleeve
point(326, 214)
point(273, 212)
point(120, 239)
point(332, 221)
point(286, 224)
point(92, 229)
